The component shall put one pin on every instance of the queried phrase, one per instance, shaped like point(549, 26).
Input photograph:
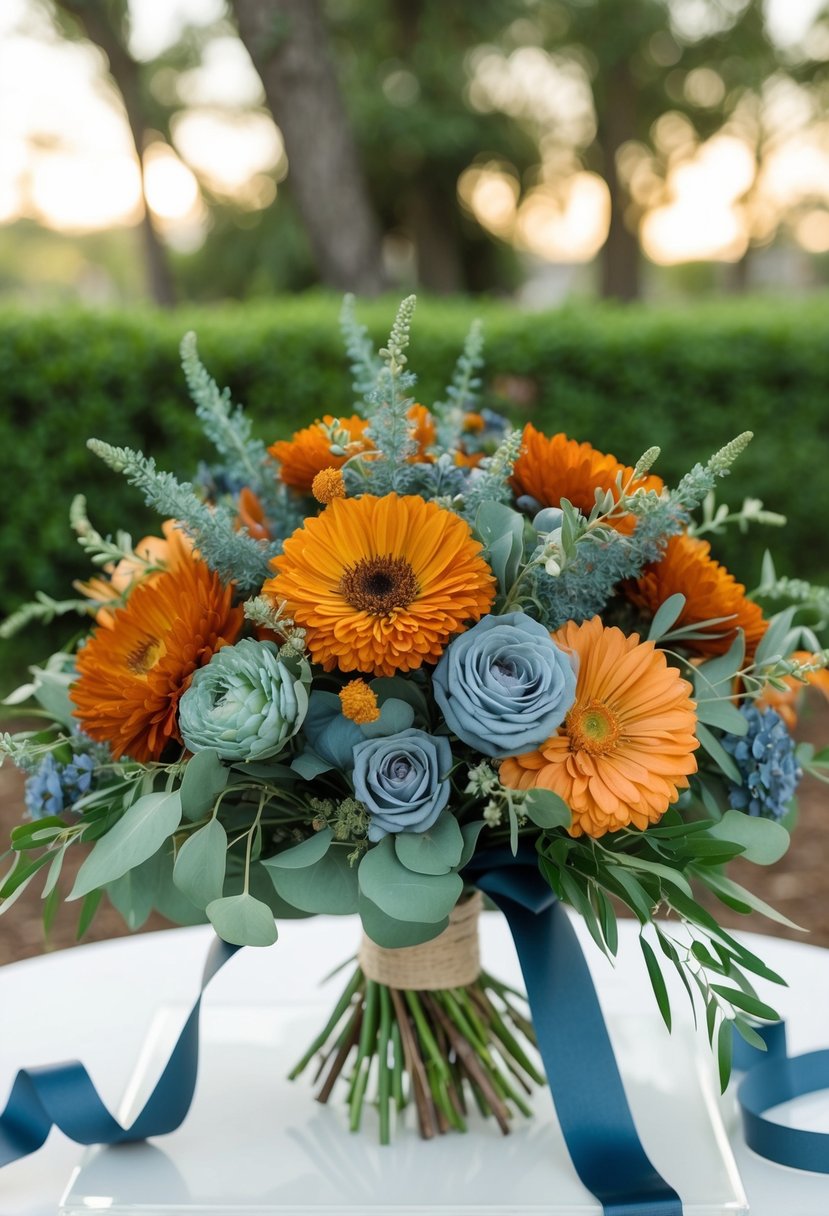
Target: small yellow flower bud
point(328, 485)
point(359, 702)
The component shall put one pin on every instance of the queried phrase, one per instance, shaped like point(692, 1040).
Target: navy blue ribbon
point(582, 1073)
point(64, 1096)
point(773, 1077)
point(589, 1096)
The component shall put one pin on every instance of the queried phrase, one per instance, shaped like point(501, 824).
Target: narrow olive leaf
point(19, 878)
point(138, 834)
point(657, 979)
point(634, 894)
point(725, 1043)
point(711, 1012)
point(746, 1031)
point(89, 907)
point(750, 1004)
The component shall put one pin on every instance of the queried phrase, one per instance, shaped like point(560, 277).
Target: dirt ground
point(798, 885)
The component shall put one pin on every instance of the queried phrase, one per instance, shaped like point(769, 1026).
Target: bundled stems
point(435, 1049)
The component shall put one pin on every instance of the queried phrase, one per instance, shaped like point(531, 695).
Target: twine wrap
point(451, 960)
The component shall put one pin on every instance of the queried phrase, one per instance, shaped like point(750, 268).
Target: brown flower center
point(145, 656)
point(592, 727)
point(378, 585)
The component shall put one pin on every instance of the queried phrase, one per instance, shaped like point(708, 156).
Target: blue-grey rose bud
point(504, 686)
point(403, 781)
point(246, 703)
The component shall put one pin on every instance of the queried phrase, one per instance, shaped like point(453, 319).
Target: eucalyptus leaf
point(204, 779)
point(307, 853)
point(395, 716)
point(138, 834)
point(199, 870)
point(546, 809)
point(51, 691)
point(470, 833)
point(328, 886)
point(401, 893)
point(242, 920)
point(392, 934)
point(764, 841)
point(134, 893)
point(501, 531)
point(773, 641)
point(436, 851)
point(723, 714)
point(309, 765)
point(386, 687)
point(667, 614)
point(716, 676)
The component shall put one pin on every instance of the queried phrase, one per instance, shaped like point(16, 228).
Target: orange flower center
point(145, 656)
point(592, 727)
point(379, 585)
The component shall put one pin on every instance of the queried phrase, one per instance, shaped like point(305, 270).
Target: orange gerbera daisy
point(131, 675)
point(308, 451)
point(626, 747)
point(251, 514)
point(709, 590)
point(381, 584)
point(551, 469)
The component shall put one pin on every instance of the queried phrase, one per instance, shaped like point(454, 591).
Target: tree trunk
point(434, 229)
point(287, 41)
point(97, 26)
point(620, 257)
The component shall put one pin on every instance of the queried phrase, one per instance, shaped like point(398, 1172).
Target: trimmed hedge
point(624, 378)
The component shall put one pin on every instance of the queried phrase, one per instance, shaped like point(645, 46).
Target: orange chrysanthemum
point(381, 584)
point(309, 450)
point(551, 469)
point(162, 554)
point(422, 431)
point(626, 747)
point(710, 592)
point(251, 514)
point(131, 676)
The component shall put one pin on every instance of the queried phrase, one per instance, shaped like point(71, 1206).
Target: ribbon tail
point(581, 1068)
point(64, 1095)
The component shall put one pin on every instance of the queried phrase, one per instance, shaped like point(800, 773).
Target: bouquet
point(359, 664)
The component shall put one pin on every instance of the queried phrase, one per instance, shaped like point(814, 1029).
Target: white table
point(96, 1003)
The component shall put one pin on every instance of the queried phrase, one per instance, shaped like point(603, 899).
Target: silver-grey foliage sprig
point(701, 480)
point(388, 405)
point(462, 391)
point(365, 365)
point(491, 480)
point(227, 427)
point(234, 555)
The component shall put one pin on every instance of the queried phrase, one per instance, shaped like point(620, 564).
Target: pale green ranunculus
point(246, 703)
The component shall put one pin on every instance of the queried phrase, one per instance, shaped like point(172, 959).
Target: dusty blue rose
point(402, 780)
point(246, 703)
point(504, 686)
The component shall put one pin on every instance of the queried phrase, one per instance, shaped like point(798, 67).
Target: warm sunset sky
point(66, 158)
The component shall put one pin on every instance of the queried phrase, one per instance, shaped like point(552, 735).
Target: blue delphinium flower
point(53, 787)
point(765, 757)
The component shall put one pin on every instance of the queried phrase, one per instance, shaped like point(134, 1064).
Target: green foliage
point(688, 380)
